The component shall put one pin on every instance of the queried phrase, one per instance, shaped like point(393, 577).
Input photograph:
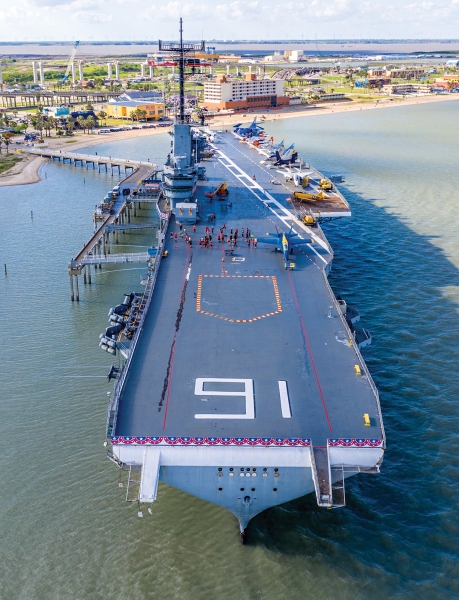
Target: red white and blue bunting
point(356, 443)
point(208, 441)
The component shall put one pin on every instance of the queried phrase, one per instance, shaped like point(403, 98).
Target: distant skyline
point(47, 20)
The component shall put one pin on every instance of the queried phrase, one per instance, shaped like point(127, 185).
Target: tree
point(143, 114)
point(138, 113)
point(102, 115)
point(48, 125)
point(5, 118)
point(69, 125)
point(132, 115)
point(38, 123)
point(6, 140)
point(90, 123)
point(89, 106)
point(82, 123)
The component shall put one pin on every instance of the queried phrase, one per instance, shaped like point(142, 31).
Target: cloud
point(175, 10)
point(234, 19)
point(89, 16)
point(237, 10)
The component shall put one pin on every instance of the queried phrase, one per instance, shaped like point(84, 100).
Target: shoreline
point(27, 172)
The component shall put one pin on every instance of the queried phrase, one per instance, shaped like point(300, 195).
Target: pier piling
point(77, 289)
point(72, 295)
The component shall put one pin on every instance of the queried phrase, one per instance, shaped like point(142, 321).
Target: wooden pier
point(91, 159)
point(97, 251)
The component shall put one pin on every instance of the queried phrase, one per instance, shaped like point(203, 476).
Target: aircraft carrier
point(244, 384)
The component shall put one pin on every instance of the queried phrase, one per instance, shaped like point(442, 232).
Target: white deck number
point(247, 394)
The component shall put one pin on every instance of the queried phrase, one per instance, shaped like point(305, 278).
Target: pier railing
point(91, 158)
point(148, 294)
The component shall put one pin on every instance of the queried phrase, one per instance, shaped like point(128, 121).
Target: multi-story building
point(411, 73)
point(401, 89)
point(251, 93)
point(150, 102)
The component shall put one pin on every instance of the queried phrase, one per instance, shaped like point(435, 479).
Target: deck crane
point(71, 59)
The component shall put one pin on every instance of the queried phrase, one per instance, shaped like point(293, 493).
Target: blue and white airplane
point(282, 151)
point(288, 158)
point(284, 242)
point(251, 130)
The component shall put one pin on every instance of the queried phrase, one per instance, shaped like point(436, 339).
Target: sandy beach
point(27, 171)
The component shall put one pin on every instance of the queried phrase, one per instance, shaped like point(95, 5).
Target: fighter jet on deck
point(251, 130)
point(284, 242)
point(288, 158)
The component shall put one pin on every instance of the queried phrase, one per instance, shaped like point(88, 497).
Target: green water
point(66, 532)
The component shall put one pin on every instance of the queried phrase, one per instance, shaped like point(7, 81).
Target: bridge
point(30, 99)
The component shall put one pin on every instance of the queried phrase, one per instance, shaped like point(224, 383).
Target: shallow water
point(66, 530)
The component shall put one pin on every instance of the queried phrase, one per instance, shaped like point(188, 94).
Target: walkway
point(90, 158)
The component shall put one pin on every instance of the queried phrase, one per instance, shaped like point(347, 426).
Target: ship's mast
point(181, 49)
point(182, 76)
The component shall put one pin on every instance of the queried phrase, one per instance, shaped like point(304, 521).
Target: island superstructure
point(244, 384)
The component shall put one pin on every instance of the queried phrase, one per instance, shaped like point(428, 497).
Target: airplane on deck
point(288, 158)
point(281, 150)
point(284, 242)
point(251, 130)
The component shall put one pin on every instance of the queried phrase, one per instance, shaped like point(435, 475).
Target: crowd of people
point(222, 236)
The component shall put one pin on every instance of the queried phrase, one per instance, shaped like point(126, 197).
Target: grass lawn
point(7, 161)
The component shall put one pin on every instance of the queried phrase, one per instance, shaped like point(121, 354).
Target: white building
point(242, 94)
point(293, 55)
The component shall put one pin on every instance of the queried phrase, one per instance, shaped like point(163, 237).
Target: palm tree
point(90, 123)
point(47, 126)
point(82, 123)
point(132, 115)
point(143, 114)
point(69, 125)
point(6, 141)
point(55, 124)
point(138, 112)
point(102, 115)
point(38, 123)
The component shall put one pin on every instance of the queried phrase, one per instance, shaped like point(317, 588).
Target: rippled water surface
point(66, 532)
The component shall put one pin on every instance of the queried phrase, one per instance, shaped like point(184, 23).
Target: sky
point(29, 20)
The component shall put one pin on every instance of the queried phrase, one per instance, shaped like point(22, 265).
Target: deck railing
point(148, 294)
point(357, 351)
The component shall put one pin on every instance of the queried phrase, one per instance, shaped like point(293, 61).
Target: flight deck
point(235, 347)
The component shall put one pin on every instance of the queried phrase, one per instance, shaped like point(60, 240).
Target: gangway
point(135, 257)
point(129, 226)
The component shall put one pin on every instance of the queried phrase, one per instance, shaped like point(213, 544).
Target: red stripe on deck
point(306, 339)
point(187, 264)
